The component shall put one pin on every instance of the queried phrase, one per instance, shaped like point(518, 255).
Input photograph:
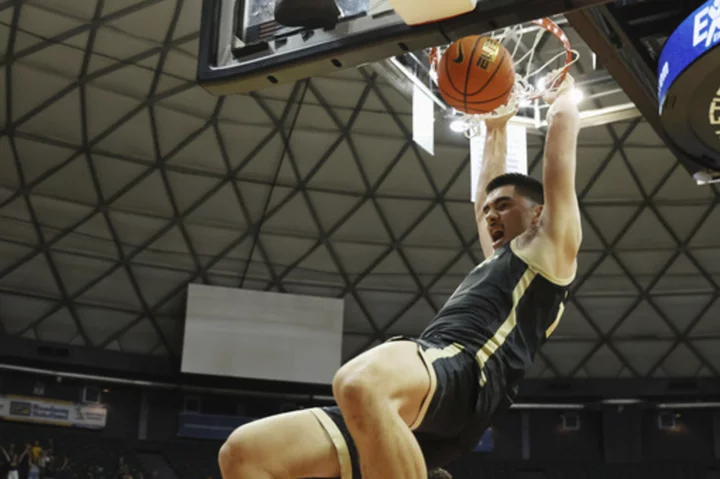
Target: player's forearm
point(559, 167)
point(493, 162)
point(561, 141)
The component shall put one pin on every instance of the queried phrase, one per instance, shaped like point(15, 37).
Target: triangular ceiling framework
point(358, 210)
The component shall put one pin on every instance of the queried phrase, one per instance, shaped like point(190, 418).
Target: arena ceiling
point(121, 181)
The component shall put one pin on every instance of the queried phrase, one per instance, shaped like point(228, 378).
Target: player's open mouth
point(497, 236)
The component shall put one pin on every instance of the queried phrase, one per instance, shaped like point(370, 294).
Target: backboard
point(600, 99)
point(243, 48)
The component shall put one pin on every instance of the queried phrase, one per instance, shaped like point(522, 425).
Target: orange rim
point(546, 24)
point(555, 30)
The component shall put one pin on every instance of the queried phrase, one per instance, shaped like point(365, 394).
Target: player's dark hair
point(439, 474)
point(525, 185)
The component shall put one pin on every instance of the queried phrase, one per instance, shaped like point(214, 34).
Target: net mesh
point(531, 83)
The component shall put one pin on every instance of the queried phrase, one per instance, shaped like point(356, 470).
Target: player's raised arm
point(493, 164)
point(560, 218)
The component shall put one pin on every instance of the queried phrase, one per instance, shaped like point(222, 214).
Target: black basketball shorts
point(453, 417)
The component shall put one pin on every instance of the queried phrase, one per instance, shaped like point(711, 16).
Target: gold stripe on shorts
point(338, 440)
point(429, 356)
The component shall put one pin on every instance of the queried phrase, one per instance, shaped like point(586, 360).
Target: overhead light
point(458, 126)
point(577, 95)
point(703, 178)
point(541, 84)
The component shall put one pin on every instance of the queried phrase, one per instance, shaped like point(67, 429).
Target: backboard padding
point(227, 64)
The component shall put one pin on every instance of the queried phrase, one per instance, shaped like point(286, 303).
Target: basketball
point(476, 75)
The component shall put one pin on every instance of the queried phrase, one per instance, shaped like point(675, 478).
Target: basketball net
point(525, 91)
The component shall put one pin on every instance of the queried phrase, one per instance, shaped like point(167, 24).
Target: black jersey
point(504, 308)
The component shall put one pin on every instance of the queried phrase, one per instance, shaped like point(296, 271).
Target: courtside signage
point(48, 411)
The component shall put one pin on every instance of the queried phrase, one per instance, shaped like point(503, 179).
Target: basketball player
point(414, 404)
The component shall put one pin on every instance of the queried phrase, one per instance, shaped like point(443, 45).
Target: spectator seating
point(193, 459)
point(87, 451)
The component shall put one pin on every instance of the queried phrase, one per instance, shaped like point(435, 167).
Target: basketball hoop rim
point(548, 25)
point(558, 32)
point(523, 90)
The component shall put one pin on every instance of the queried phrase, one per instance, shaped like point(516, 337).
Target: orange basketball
point(476, 74)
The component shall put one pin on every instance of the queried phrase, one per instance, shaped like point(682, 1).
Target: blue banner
point(695, 36)
point(486, 442)
point(209, 426)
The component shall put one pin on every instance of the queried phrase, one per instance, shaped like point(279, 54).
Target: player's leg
point(287, 446)
point(381, 393)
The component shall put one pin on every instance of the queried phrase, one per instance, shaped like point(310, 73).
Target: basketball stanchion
point(481, 77)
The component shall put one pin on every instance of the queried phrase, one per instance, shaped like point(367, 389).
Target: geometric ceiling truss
point(396, 241)
point(126, 182)
point(643, 291)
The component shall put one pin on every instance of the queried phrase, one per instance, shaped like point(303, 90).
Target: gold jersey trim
point(429, 356)
point(535, 265)
point(501, 335)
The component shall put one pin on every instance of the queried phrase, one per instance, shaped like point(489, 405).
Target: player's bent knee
point(237, 456)
point(356, 385)
point(225, 460)
point(293, 444)
point(386, 370)
point(391, 372)
point(230, 458)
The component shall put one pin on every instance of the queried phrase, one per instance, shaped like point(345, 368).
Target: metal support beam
point(589, 25)
point(589, 118)
point(617, 52)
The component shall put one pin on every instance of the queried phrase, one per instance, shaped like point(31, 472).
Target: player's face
point(508, 215)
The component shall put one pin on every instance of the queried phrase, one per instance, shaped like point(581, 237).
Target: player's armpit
point(560, 218)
